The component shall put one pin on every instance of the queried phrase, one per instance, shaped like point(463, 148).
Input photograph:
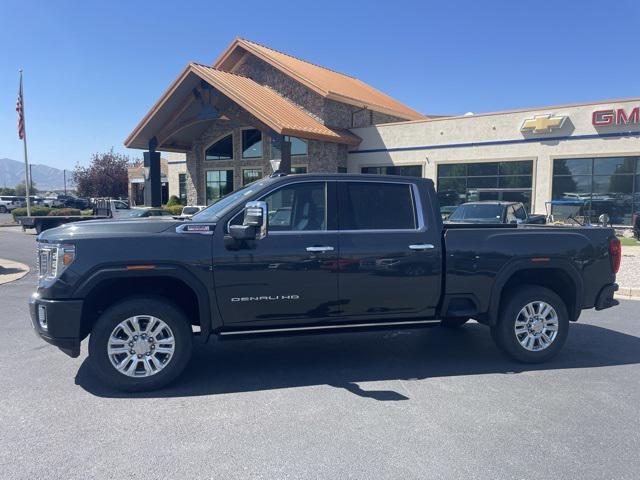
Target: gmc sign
point(601, 118)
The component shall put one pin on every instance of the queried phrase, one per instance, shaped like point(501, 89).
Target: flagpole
point(26, 160)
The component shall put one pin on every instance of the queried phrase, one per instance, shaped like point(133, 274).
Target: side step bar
point(342, 328)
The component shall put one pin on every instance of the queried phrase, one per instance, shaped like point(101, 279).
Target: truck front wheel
point(140, 344)
point(533, 324)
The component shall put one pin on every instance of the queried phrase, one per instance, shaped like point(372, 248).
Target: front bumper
point(605, 297)
point(63, 322)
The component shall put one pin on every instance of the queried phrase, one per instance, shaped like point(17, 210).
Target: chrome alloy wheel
point(536, 326)
point(141, 346)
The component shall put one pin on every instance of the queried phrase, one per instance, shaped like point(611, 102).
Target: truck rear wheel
point(533, 324)
point(140, 344)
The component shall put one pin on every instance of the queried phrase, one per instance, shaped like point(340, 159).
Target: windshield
point(190, 210)
point(477, 212)
point(217, 209)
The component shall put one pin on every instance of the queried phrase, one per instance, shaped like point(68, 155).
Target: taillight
point(615, 250)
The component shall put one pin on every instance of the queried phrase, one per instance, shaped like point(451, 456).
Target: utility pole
point(64, 173)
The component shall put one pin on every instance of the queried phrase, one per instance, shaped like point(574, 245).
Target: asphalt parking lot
point(410, 404)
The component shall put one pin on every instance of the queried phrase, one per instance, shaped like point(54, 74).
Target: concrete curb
point(628, 292)
point(12, 271)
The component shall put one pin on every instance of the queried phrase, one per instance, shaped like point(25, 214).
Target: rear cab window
point(377, 206)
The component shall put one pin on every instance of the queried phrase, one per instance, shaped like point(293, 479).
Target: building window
point(608, 185)
point(182, 187)
point(298, 170)
point(250, 175)
point(221, 150)
point(467, 182)
point(298, 146)
point(342, 169)
point(219, 184)
point(251, 143)
point(404, 170)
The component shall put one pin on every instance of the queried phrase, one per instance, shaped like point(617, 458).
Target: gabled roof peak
point(324, 81)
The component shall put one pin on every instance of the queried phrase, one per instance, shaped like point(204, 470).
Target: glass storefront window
point(298, 146)
point(250, 175)
point(604, 185)
point(251, 143)
point(404, 170)
point(221, 150)
point(298, 170)
point(465, 182)
point(182, 187)
point(219, 184)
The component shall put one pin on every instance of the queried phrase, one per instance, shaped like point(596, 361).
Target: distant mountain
point(44, 177)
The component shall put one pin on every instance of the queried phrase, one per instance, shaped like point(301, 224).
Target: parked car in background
point(71, 201)
point(494, 212)
point(189, 211)
point(8, 203)
point(148, 212)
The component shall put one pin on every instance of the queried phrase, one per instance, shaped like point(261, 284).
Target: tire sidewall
point(154, 306)
point(504, 335)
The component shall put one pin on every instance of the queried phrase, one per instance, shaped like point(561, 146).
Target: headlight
point(53, 259)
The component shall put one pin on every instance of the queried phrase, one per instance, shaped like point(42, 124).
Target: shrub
point(87, 212)
point(173, 201)
point(63, 212)
point(173, 209)
point(35, 212)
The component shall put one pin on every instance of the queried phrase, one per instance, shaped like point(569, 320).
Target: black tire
point(3, 209)
point(169, 313)
point(504, 334)
point(453, 322)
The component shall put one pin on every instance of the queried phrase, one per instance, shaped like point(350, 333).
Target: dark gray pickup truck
point(310, 254)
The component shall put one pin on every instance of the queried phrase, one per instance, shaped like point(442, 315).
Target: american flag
point(20, 110)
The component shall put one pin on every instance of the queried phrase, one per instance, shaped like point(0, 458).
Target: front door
point(390, 260)
point(291, 275)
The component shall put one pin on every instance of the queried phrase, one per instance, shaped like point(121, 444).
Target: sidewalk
point(11, 271)
point(629, 275)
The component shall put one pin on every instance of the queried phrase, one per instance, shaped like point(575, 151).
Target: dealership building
point(256, 109)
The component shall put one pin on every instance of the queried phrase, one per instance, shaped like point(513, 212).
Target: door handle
point(422, 246)
point(320, 249)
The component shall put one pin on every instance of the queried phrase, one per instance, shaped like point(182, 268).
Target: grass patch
point(629, 242)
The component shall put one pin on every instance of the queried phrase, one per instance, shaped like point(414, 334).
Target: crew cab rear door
point(390, 250)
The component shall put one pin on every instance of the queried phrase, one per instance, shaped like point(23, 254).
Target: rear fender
point(512, 268)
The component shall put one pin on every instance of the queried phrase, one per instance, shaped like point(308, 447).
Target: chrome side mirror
point(256, 215)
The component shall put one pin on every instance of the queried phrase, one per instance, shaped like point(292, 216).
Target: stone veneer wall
point(329, 112)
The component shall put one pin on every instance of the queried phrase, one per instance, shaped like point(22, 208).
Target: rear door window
point(377, 206)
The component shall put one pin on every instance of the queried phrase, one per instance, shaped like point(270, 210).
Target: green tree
point(21, 189)
point(106, 175)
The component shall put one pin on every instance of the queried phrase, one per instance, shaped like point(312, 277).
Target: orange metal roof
point(262, 102)
point(270, 107)
point(328, 83)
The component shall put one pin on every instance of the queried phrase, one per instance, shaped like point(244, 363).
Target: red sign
point(601, 118)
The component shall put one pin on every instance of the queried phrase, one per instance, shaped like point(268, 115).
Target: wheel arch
point(559, 276)
point(106, 286)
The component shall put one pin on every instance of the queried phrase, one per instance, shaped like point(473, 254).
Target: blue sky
point(93, 69)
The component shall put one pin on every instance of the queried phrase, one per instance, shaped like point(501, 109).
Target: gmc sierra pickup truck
point(309, 254)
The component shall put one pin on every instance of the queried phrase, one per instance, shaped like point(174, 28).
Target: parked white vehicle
point(189, 211)
point(8, 203)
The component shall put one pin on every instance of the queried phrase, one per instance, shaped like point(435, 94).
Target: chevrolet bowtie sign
point(542, 124)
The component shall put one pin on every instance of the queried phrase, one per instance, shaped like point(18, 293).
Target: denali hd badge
point(265, 298)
